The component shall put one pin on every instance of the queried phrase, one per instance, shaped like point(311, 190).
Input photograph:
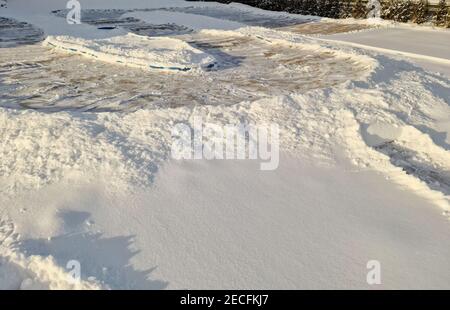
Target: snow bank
point(378, 133)
point(19, 271)
point(160, 53)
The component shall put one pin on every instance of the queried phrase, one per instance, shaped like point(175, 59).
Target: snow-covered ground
point(86, 172)
point(428, 48)
point(137, 51)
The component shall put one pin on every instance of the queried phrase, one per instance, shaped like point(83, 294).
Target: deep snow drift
point(364, 171)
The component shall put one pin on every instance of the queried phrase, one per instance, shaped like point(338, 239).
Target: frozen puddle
point(248, 68)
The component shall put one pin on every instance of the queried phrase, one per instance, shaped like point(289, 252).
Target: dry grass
point(324, 28)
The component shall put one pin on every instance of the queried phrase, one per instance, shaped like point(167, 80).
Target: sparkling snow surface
point(86, 172)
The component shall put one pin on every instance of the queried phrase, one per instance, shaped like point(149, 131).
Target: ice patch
point(160, 53)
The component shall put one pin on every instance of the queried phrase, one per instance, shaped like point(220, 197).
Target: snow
point(32, 272)
point(377, 134)
point(87, 175)
point(202, 226)
point(192, 21)
point(433, 43)
point(137, 52)
point(431, 51)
